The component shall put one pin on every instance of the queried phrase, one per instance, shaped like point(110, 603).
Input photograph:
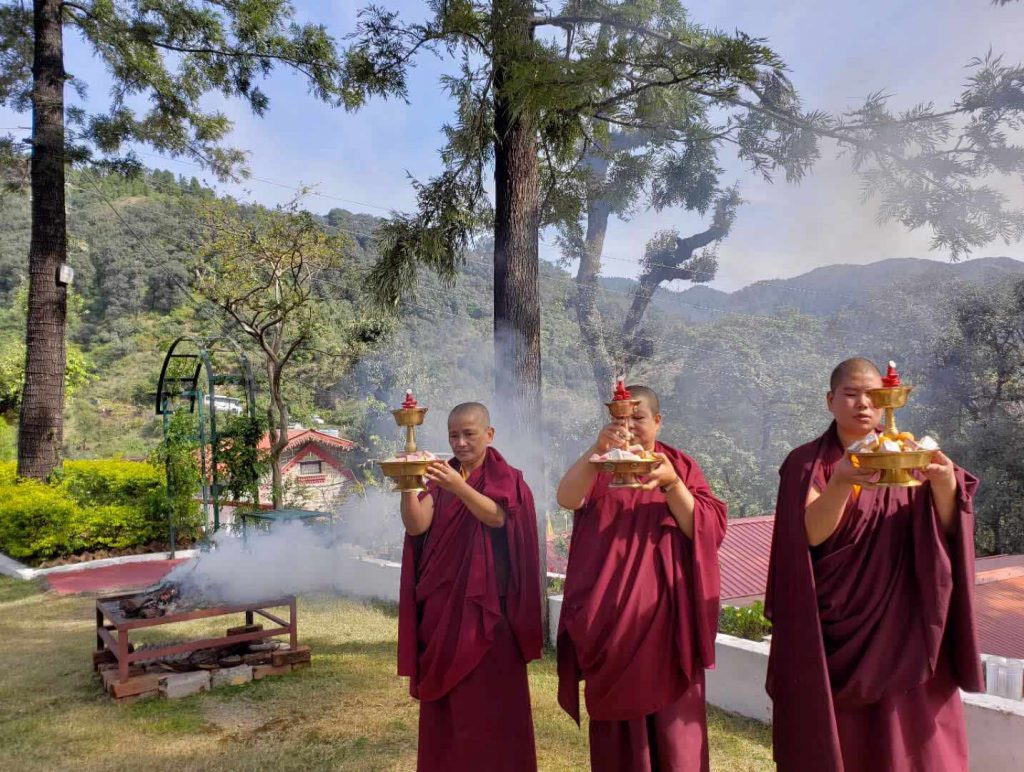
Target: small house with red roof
point(312, 466)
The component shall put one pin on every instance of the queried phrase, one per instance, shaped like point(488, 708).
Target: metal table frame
point(110, 620)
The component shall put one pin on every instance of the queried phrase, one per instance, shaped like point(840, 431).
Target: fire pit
point(117, 616)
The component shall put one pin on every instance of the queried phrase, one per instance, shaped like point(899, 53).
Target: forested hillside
point(742, 375)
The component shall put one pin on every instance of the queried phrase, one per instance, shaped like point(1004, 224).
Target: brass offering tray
point(625, 471)
point(895, 467)
point(408, 475)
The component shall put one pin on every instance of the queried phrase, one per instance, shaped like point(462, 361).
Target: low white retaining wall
point(373, 578)
point(995, 726)
point(995, 732)
point(736, 683)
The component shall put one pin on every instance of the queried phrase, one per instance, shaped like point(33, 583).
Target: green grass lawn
point(348, 711)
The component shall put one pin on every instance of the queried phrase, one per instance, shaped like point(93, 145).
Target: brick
point(174, 686)
point(262, 671)
point(299, 665)
point(137, 685)
point(231, 676)
point(242, 629)
point(137, 697)
point(258, 658)
point(102, 657)
point(291, 656)
point(109, 675)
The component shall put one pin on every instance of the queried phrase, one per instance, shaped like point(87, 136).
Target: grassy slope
point(348, 711)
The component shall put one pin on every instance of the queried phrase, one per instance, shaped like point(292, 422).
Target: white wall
point(995, 730)
point(736, 683)
point(995, 726)
point(374, 578)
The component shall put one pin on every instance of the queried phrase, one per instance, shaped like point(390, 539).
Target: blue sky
point(837, 53)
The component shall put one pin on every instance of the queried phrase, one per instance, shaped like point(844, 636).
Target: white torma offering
point(419, 455)
point(901, 443)
point(632, 453)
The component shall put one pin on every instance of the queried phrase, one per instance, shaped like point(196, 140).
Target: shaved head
point(474, 410)
point(647, 395)
point(849, 367)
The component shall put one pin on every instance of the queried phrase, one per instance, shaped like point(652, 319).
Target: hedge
point(91, 505)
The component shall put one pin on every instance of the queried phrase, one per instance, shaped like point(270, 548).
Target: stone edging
point(11, 567)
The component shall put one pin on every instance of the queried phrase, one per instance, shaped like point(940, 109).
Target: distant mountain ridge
point(826, 290)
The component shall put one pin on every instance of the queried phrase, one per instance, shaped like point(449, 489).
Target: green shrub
point(91, 505)
point(8, 442)
point(111, 481)
point(178, 456)
point(35, 520)
point(745, 621)
point(114, 526)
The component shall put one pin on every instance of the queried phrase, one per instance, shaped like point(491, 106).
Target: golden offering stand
point(895, 467)
point(625, 472)
point(408, 475)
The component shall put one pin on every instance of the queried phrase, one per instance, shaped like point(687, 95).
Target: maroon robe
point(468, 622)
point(873, 630)
point(638, 625)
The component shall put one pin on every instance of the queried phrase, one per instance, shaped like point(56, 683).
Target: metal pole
point(167, 475)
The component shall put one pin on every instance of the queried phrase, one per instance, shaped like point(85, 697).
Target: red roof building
point(743, 557)
point(312, 463)
point(998, 593)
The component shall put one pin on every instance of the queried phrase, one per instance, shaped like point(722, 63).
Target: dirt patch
point(235, 717)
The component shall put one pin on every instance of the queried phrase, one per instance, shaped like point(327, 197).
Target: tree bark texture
point(517, 363)
point(516, 232)
point(41, 421)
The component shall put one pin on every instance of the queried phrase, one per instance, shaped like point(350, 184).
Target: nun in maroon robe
point(873, 631)
point(469, 621)
point(638, 624)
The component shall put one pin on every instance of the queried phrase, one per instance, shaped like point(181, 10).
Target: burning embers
point(163, 599)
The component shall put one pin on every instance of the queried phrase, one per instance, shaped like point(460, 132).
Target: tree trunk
point(588, 316)
point(517, 363)
point(516, 232)
point(648, 284)
point(277, 415)
point(41, 421)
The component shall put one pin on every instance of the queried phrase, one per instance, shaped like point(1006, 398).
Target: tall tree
point(169, 52)
point(266, 272)
point(522, 102)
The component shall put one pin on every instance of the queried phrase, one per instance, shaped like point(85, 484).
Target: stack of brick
point(152, 679)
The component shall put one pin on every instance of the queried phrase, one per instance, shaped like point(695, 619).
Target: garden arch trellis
point(182, 386)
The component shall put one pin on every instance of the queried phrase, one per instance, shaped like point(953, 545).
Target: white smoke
point(295, 559)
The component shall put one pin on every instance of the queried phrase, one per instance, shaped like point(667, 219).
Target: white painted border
point(11, 567)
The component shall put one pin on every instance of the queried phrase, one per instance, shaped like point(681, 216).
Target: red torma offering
point(410, 401)
point(891, 379)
